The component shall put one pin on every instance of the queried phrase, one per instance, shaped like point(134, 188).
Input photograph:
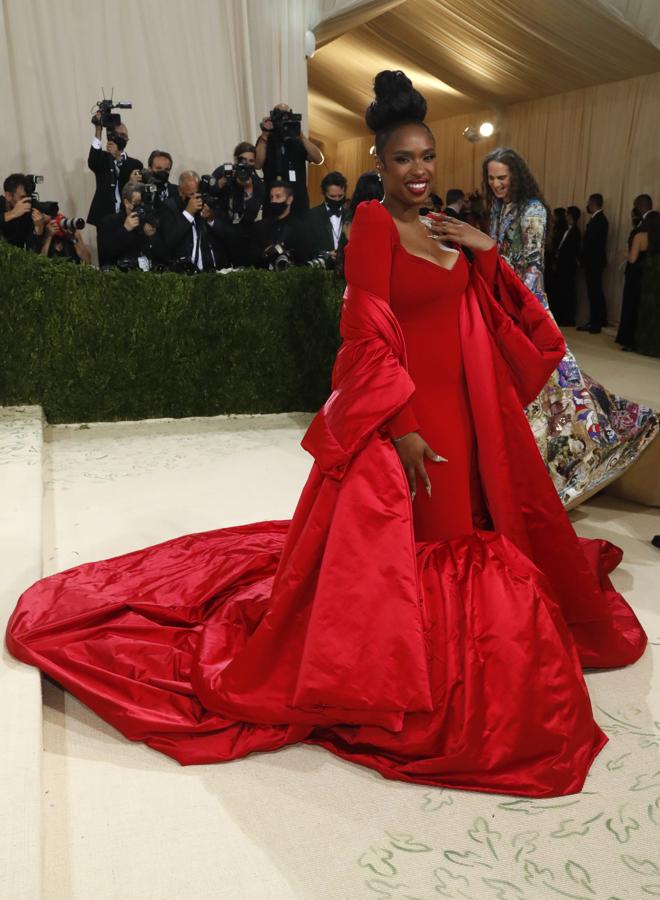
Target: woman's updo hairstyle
point(396, 103)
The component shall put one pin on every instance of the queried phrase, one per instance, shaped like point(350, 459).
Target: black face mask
point(161, 177)
point(335, 206)
point(278, 208)
point(119, 140)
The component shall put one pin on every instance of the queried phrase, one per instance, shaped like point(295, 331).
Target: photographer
point(278, 240)
point(63, 240)
point(283, 151)
point(324, 223)
point(159, 165)
point(130, 239)
point(112, 168)
point(192, 234)
point(241, 191)
point(20, 224)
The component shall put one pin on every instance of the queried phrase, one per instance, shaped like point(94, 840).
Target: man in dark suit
point(456, 204)
point(594, 260)
point(193, 236)
point(279, 227)
point(160, 166)
point(323, 223)
point(566, 263)
point(113, 169)
point(126, 240)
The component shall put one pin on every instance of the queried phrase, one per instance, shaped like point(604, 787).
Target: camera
point(240, 171)
point(47, 207)
point(324, 260)
point(277, 257)
point(211, 193)
point(109, 119)
point(158, 179)
point(67, 226)
point(146, 208)
point(287, 125)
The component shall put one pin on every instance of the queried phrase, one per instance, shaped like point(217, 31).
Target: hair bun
point(395, 99)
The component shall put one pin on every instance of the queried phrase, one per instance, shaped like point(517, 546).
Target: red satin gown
point(215, 645)
point(426, 300)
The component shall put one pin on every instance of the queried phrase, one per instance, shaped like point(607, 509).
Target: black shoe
point(596, 329)
point(585, 327)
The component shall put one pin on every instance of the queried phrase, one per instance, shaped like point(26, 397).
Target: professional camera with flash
point(286, 124)
point(47, 207)
point(240, 171)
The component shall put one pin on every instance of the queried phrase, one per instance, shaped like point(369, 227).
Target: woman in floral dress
point(587, 435)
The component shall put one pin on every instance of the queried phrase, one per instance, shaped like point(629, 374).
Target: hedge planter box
point(92, 346)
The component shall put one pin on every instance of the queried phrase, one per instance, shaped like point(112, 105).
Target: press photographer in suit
point(130, 239)
point(194, 237)
point(112, 168)
point(323, 223)
point(594, 261)
point(159, 165)
point(283, 152)
point(278, 240)
point(240, 190)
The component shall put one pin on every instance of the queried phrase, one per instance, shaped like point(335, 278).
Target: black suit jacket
point(102, 165)
point(318, 231)
point(594, 243)
point(288, 231)
point(178, 237)
point(449, 211)
point(166, 192)
point(115, 242)
point(569, 251)
point(19, 232)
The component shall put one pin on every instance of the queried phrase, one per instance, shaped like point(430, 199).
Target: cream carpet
point(121, 822)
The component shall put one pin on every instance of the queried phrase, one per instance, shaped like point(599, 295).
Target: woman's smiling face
point(407, 165)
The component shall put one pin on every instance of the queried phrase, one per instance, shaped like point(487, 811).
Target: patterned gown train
point(587, 435)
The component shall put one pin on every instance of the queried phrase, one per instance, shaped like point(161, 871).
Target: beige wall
point(602, 138)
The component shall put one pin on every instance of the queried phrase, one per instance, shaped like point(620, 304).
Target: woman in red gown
point(428, 609)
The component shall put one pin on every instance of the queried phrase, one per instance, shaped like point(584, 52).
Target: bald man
point(191, 234)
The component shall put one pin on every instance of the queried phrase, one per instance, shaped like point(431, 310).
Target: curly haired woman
point(587, 435)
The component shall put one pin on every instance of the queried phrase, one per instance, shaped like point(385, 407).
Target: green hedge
point(91, 346)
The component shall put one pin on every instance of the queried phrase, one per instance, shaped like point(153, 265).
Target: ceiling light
point(486, 129)
point(471, 134)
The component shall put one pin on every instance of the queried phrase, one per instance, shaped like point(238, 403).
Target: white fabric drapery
point(200, 76)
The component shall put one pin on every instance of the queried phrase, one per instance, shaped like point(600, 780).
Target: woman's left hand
point(450, 230)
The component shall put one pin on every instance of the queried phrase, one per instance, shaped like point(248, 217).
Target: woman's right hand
point(412, 448)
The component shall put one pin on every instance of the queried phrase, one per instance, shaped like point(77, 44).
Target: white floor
point(121, 822)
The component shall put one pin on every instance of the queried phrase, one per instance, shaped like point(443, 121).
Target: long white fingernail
point(438, 458)
point(412, 496)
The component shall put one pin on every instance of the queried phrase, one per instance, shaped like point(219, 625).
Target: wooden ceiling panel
point(470, 54)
